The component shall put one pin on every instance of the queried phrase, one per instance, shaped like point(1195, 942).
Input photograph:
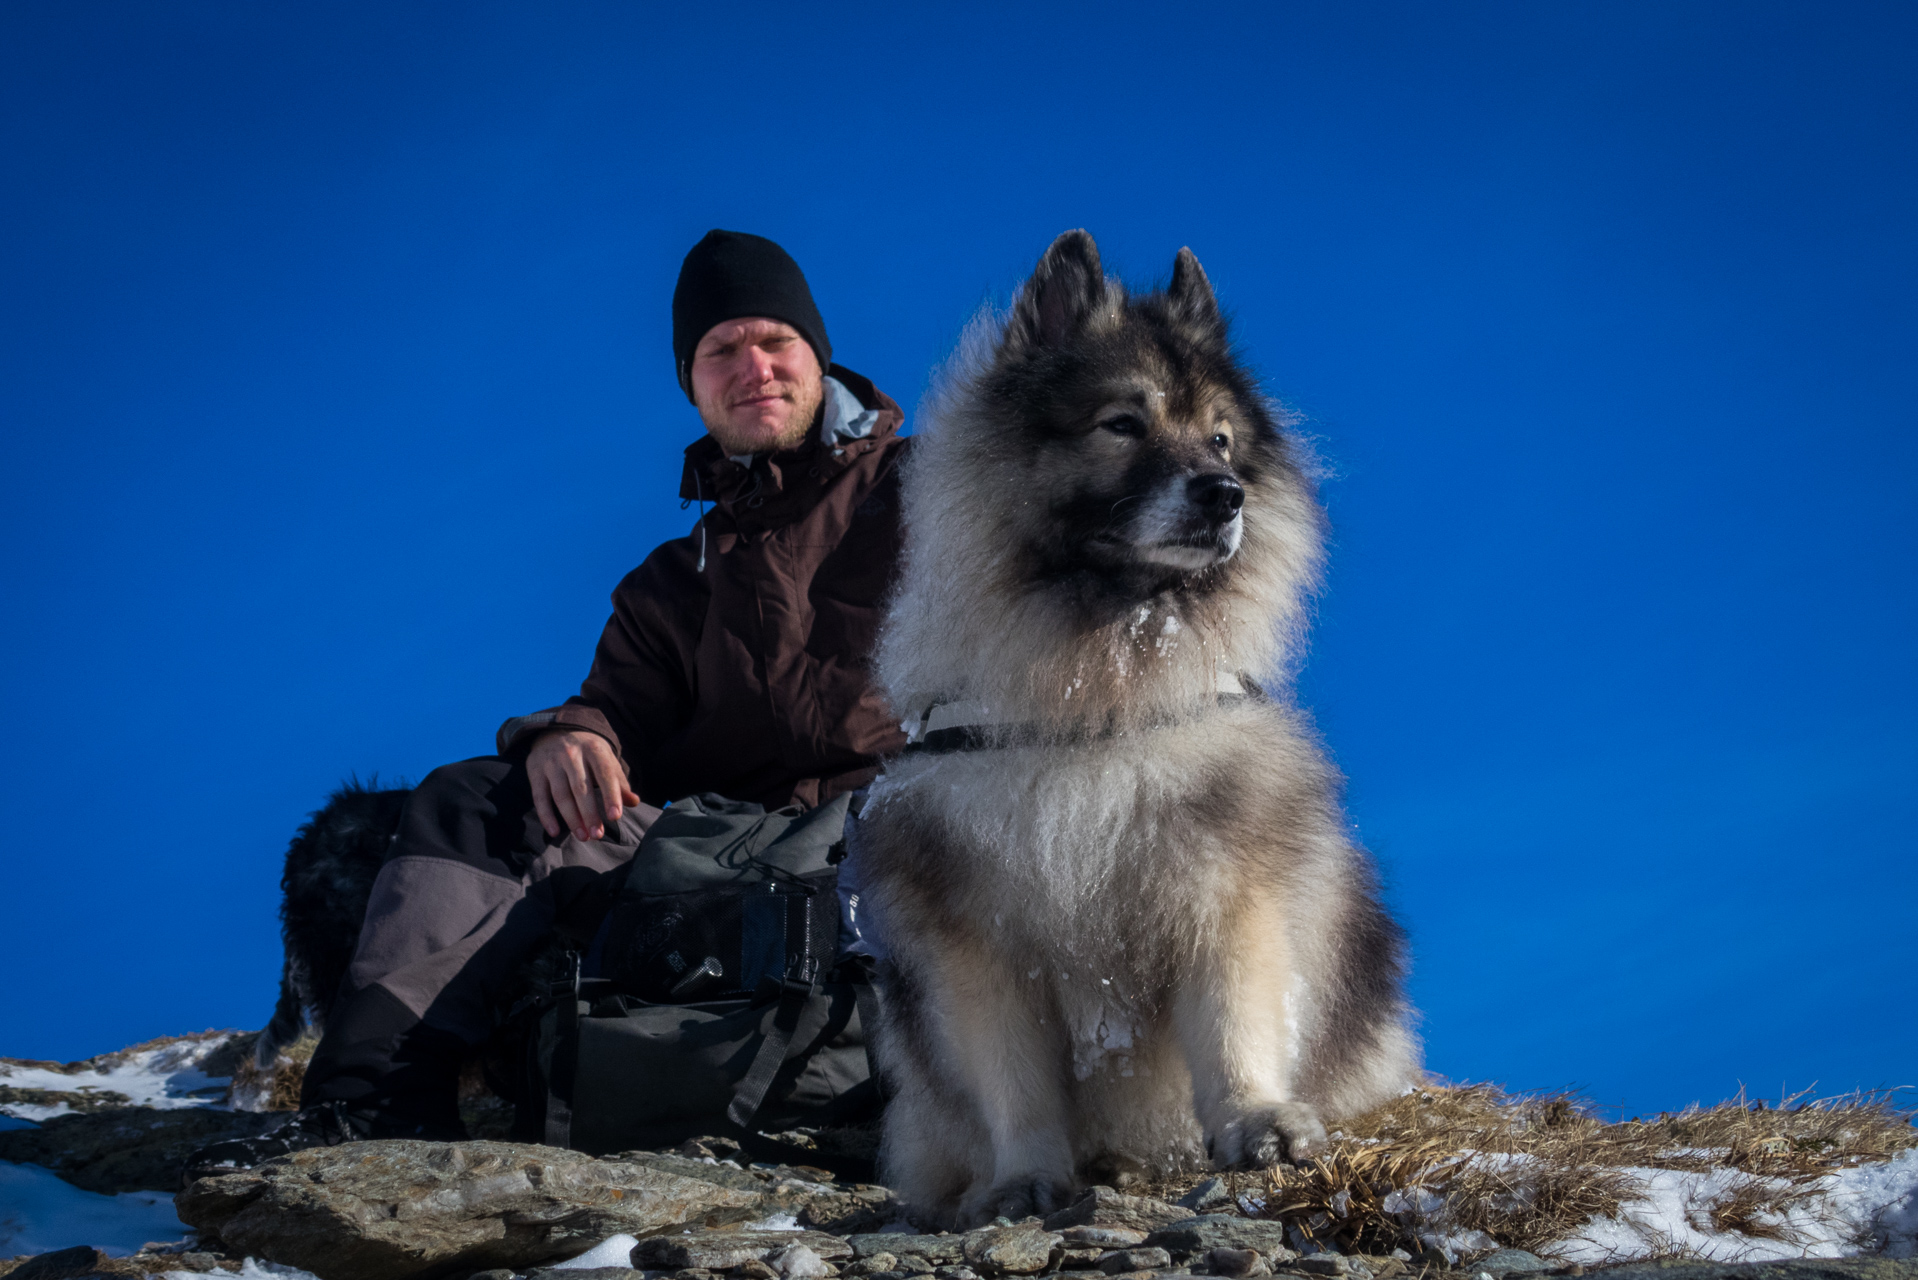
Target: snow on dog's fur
point(1130, 932)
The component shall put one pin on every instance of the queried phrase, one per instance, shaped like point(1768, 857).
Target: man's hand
point(577, 783)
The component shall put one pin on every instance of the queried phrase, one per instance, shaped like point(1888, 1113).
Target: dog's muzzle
point(1191, 525)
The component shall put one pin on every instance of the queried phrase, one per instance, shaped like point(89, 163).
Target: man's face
point(756, 384)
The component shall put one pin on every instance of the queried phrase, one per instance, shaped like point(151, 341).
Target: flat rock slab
point(1104, 1207)
point(392, 1210)
point(1211, 1231)
point(724, 1250)
point(1015, 1251)
point(938, 1250)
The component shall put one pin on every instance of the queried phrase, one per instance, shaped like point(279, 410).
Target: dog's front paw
point(1264, 1136)
point(1025, 1196)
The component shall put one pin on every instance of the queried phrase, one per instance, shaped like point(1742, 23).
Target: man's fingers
point(585, 826)
point(611, 779)
point(543, 805)
point(563, 800)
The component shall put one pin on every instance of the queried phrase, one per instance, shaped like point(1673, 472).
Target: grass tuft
point(1529, 1170)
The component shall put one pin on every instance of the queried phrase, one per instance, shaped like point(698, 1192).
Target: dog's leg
point(1236, 1020)
point(933, 1151)
point(1003, 1046)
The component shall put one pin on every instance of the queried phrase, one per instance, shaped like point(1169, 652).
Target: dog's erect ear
point(1065, 290)
point(1191, 293)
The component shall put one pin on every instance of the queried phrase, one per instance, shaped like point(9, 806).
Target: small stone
point(694, 1273)
point(872, 1264)
point(1080, 1259)
point(1011, 1250)
point(755, 1270)
point(912, 1264)
point(1324, 1264)
point(1509, 1261)
point(1207, 1196)
point(1236, 1262)
point(1120, 1261)
point(1102, 1237)
point(955, 1273)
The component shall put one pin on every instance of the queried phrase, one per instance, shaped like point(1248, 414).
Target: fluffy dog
point(1129, 928)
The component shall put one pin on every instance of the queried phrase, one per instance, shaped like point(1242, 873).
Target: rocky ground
point(1440, 1187)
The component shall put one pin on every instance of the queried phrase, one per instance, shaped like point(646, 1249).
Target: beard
point(756, 435)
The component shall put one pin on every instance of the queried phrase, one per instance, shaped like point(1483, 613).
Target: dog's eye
point(1124, 426)
point(1221, 442)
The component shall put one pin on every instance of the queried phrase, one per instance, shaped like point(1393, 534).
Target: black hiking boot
point(326, 1124)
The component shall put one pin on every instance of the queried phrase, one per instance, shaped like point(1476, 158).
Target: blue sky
point(336, 394)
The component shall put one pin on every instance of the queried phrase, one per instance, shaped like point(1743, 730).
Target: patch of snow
point(40, 1213)
point(614, 1251)
point(167, 1077)
point(1869, 1208)
point(777, 1222)
point(251, 1269)
point(1454, 1243)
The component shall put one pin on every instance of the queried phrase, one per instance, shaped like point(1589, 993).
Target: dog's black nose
point(1219, 497)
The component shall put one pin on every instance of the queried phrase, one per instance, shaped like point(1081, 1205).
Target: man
point(734, 662)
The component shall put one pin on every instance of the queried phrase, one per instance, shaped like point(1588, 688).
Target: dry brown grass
point(1529, 1170)
point(278, 1087)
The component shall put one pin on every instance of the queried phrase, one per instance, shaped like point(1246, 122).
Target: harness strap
point(564, 1058)
point(959, 726)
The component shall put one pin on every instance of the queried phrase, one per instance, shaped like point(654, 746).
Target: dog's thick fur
point(1135, 933)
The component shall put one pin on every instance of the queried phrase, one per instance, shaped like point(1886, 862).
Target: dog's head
point(1099, 491)
point(1140, 435)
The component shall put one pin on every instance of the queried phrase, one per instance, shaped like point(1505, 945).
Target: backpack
point(724, 994)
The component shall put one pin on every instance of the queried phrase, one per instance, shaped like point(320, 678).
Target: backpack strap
point(866, 996)
point(794, 992)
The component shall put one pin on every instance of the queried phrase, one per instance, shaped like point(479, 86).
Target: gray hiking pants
point(471, 887)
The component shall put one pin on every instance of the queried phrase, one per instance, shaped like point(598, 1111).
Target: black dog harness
point(958, 725)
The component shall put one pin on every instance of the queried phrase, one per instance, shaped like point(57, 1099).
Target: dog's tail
point(290, 1017)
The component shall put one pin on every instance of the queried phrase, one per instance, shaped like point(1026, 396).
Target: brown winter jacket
point(751, 679)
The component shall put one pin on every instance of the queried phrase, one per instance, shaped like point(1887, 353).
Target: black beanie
point(730, 274)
